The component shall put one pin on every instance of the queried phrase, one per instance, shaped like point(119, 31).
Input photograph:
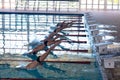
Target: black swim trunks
point(38, 60)
point(45, 43)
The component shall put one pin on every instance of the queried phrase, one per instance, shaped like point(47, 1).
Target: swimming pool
point(17, 30)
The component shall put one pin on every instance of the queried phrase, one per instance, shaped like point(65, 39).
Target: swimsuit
point(38, 60)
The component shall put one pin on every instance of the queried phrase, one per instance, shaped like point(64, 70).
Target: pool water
point(15, 31)
point(65, 71)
